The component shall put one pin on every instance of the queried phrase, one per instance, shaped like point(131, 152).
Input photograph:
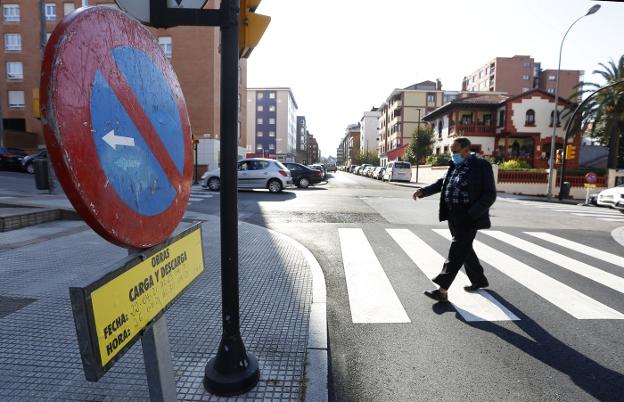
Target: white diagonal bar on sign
point(569, 300)
point(473, 306)
point(371, 296)
point(604, 278)
point(580, 248)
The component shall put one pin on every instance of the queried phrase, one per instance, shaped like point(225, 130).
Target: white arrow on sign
point(113, 140)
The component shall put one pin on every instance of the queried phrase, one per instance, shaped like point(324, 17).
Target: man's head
point(461, 146)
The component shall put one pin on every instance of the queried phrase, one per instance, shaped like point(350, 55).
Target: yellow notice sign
point(120, 305)
point(589, 185)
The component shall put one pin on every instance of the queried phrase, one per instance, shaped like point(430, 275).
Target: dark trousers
point(464, 230)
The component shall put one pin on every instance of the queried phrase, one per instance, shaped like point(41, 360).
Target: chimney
point(438, 84)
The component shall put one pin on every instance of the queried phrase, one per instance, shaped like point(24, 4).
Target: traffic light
point(252, 26)
point(570, 152)
point(36, 106)
point(558, 156)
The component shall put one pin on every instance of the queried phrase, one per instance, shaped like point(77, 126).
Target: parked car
point(302, 175)
point(611, 197)
point(253, 173)
point(397, 170)
point(351, 168)
point(378, 172)
point(332, 168)
point(11, 158)
point(320, 167)
point(360, 169)
point(369, 171)
point(28, 164)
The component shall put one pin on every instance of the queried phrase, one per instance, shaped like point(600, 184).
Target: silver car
point(253, 173)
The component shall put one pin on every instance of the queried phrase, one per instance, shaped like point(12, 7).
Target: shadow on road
point(598, 381)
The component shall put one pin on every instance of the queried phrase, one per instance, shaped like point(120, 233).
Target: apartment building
point(369, 130)
point(272, 123)
point(350, 144)
point(193, 52)
point(402, 113)
point(301, 154)
point(518, 74)
point(503, 127)
point(314, 153)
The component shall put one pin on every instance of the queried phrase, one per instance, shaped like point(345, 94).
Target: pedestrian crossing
point(372, 298)
point(198, 194)
point(601, 214)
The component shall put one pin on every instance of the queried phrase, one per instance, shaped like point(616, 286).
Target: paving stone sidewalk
point(39, 357)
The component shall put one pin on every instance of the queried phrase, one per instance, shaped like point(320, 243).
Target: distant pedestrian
point(467, 193)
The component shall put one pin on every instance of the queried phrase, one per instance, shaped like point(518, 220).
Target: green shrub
point(438, 160)
point(514, 165)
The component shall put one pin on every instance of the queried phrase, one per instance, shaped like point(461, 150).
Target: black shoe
point(474, 288)
point(437, 295)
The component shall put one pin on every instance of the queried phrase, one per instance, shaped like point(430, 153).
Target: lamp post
point(551, 159)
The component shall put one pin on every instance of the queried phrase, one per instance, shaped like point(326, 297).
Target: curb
point(316, 373)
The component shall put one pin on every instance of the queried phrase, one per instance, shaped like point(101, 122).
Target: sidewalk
point(280, 324)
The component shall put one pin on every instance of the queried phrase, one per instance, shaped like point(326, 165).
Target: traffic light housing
point(558, 156)
point(570, 152)
point(252, 27)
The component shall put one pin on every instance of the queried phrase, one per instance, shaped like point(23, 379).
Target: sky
point(342, 57)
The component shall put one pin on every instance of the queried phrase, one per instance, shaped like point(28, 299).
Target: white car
point(253, 173)
point(612, 197)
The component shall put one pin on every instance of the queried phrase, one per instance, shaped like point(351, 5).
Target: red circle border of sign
point(591, 178)
point(79, 173)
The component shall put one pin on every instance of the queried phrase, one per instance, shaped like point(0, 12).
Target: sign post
point(591, 179)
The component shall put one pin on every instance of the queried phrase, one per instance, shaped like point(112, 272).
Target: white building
point(369, 130)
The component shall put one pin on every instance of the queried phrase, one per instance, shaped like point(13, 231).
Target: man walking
point(467, 193)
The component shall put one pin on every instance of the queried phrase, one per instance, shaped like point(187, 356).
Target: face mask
point(457, 158)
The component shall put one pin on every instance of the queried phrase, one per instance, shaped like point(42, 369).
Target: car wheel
point(214, 184)
point(30, 168)
point(304, 182)
point(274, 186)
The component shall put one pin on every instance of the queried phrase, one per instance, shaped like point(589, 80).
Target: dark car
point(302, 175)
point(11, 158)
point(28, 164)
point(321, 168)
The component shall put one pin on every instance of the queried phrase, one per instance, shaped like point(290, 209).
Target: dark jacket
point(481, 190)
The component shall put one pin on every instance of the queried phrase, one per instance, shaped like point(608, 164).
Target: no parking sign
point(116, 126)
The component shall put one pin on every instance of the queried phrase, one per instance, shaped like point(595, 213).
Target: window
point(501, 118)
point(166, 45)
point(272, 120)
point(271, 146)
point(529, 118)
point(527, 65)
point(430, 98)
point(11, 12)
point(271, 133)
point(68, 8)
point(551, 90)
point(16, 99)
point(271, 95)
point(15, 70)
point(551, 118)
point(259, 147)
point(50, 12)
point(272, 108)
point(260, 133)
point(260, 95)
point(259, 120)
point(466, 119)
point(526, 77)
point(552, 78)
point(12, 42)
point(260, 108)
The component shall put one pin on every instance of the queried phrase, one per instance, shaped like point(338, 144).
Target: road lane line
point(201, 195)
point(583, 211)
point(611, 219)
point(371, 296)
point(473, 306)
point(569, 300)
point(195, 199)
point(593, 215)
point(604, 278)
point(581, 248)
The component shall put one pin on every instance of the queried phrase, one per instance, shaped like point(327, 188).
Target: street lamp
point(551, 159)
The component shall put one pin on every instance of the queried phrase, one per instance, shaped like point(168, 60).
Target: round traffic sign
point(591, 178)
point(116, 126)
point(140, 9)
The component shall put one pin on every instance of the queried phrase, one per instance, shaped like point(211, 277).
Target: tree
point(603, 114)
point(369, 157)
point(421, 144)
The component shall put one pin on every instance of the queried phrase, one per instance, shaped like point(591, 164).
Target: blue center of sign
point(132, 170)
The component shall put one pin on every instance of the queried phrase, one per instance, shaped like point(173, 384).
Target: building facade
point(369, 131)
point(301, 154)
point(272, 123)
point(518, 74)
point(502, 127)
point(313, 151)
point(193, 52)
point(401, 114)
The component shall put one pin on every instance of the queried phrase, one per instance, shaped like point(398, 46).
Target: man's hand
point(417, 195)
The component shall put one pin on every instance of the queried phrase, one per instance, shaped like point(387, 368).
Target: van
point(399, 171)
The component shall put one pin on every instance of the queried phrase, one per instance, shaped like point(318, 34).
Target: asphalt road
point(549, 327)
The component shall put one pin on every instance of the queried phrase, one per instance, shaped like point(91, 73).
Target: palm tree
point(603, 114)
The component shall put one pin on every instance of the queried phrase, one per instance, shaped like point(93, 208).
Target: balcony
point(471, 129)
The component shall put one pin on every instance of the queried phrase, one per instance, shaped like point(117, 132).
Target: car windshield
point(402, 165)
point(280, 165)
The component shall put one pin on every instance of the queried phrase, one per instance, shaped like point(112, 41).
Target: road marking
point(194, 194)
point(371, 296)
point(592, 215)
point(611, 219)
point(584, 211)
point(569, 300)
point(473, 306)
point(604, 278)
point(581, 248)
point(195, 199)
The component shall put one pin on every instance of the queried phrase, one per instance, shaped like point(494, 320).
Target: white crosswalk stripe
point(566, 298)
point(611, 219)
point(477, 306)
point(602, 214)
point(581, 248)
point(371, 296)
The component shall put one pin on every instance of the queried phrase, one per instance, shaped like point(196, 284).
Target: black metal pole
point(195, 145)
point(233, 371)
